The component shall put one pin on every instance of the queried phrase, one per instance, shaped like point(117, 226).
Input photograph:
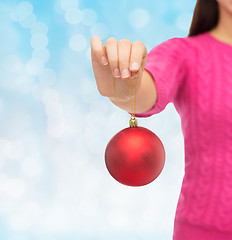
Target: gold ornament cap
point(133, 122)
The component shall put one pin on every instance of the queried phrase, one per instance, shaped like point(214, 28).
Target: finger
point(98, 50)
point(112, 54)
point(138, 53)
point(124, 49)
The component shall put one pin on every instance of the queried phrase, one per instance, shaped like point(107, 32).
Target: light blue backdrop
point(54, 125)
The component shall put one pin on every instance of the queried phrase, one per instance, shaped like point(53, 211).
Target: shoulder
point(186, 43)
point(180, 49)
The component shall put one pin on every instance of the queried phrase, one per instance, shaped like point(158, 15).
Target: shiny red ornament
point(135, 156)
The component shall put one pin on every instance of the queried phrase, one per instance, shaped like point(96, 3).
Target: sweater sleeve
point(167, 66)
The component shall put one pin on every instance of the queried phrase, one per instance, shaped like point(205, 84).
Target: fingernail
point(134, 66)
point(116, 72)
point(125, 73)
point(104, 60)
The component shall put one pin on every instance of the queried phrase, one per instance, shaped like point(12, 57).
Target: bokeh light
point(41, 54)
point(89, 17)
point(73, 16)
point(100, 29)
point(28, 21)
point(31, 167)
point(39, 27)
point(35, 66)
point(12, 63)
point(47, 76)
point(142, 20)
point(39, 41)
point(68, 4)
point(78, 42)
point(21, 11)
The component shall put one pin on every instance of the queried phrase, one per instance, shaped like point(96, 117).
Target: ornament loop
point(133, 122)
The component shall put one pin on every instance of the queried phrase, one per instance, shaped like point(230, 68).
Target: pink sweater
point(195, 74)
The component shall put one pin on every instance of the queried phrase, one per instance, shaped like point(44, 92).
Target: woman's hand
point(115, 63)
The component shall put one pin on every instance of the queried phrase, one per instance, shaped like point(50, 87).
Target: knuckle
point(137, 42)
point(140, 48)
point(94, 39)
point(124, 42)
point(111, 40)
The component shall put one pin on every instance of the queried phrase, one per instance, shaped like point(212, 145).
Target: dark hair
point(205, 17)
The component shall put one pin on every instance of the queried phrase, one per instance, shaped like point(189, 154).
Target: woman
point(195, 74)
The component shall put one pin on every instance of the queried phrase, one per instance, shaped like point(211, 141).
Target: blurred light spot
point(58, 121)
point(55, 219)
point(13, 188)
point(5, 146)
point(54, 110)
point(183, 21)
point(88, 91)
point(39, 89)
point(21, 11)
point(28, 212)
point(89, 17)
point(47, 76)
point(87, 208)
point(148, 215)
point(58, 8)
point(39, 40)
point(119, 197)
point(16, 150)
point(100, 106)
point(67, 4)
point(30, 167)
point(92, 178)
point(25, 216)
point(19, 222)
point(116, 120)
point(94, 118)
point(73, 16)
point(118, 217)
point(92, 135)
point(34, 66)
point(12, 63)
point(77, 42)
point(28, 21)
point(56, 127)
point(99, 29)
point(139, 18)
point(50, 97)
point(23, 81)
point(42, 54)
point(39, 27)
point(31, 209)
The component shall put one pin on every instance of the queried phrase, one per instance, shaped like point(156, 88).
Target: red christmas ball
point(135, 156)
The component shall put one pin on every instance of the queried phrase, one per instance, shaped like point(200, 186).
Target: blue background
point(55, 125)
